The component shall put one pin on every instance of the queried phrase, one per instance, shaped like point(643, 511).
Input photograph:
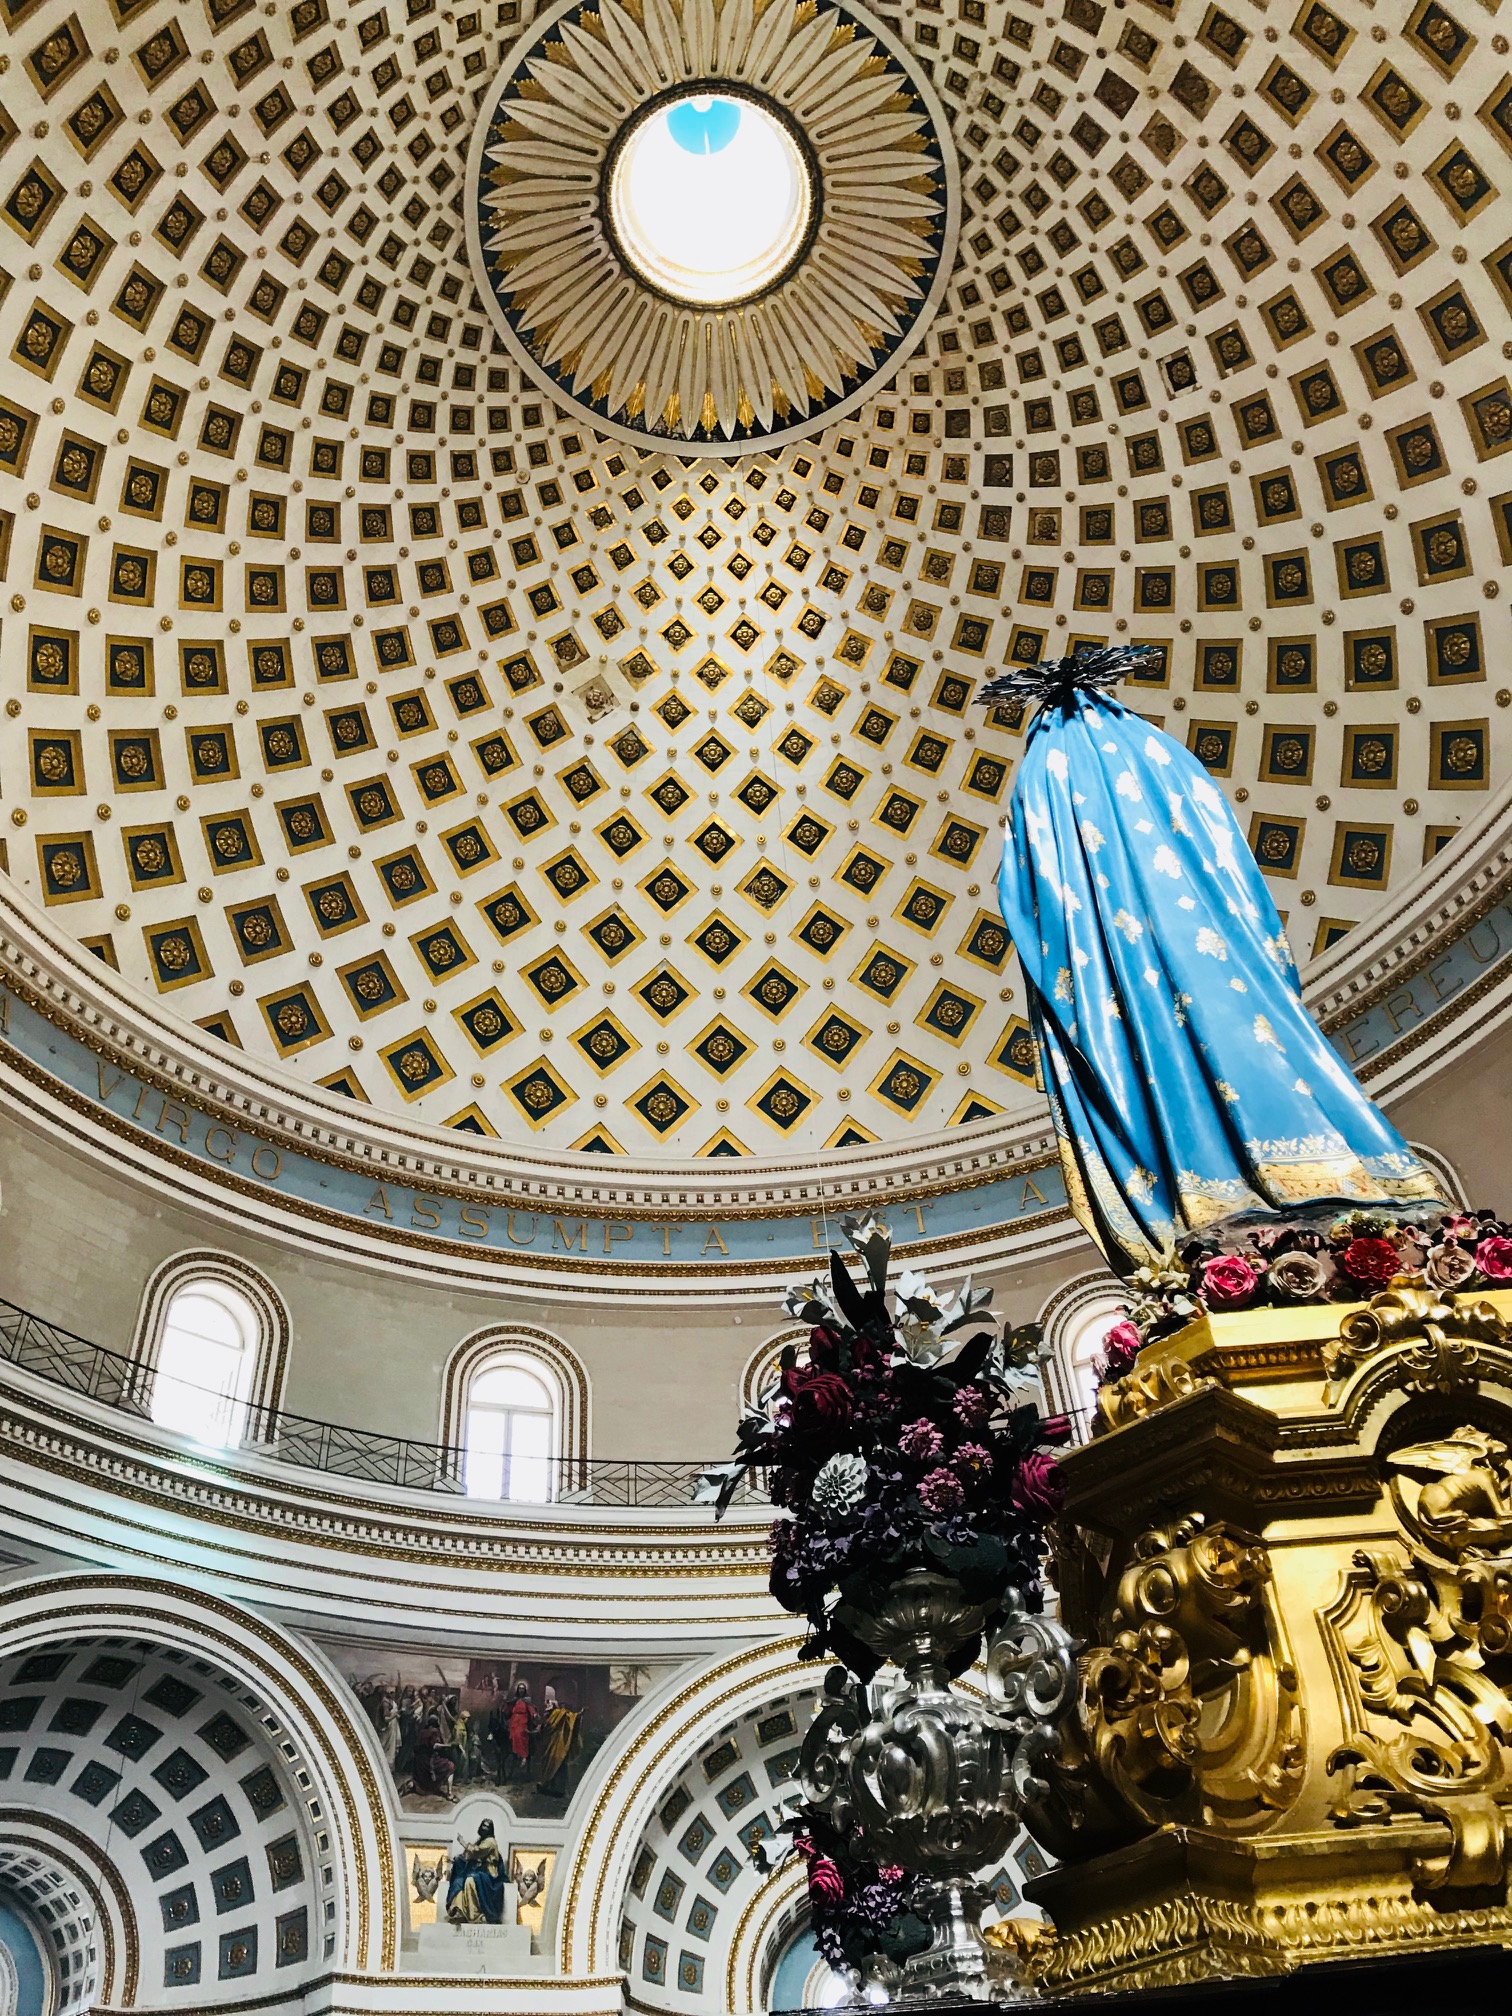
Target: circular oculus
point(710, 198)
point(711, 228)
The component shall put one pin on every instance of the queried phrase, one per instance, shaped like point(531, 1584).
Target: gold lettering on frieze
point(229, 1154)
point(262, 1154)
point(712, 1241)
point(666, 1231)
point(141, 1100)
point(174, 1115)
point(1397, 1005)
point(513, 1236)
point(1483, 958)
point(109, 1078)
point(426, 1212)
point(614, 1229)
point(1441, 992)
point(1031, 1189)
point(474, 1224)
point(569, 1239)
point(1352, 1039)
point(379, 1202)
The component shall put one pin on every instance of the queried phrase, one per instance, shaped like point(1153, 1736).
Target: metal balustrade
point(361, 1455)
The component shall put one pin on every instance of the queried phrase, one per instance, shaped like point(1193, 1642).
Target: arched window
point(211, 1350)
point(1077, 1320)
point(511, 1433)
point(514, 1417)
point(206, 1355)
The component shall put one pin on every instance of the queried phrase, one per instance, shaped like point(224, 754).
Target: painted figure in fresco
point(521, 1723)
point(432, 1766)
point(475, 1892)
point(559, 1745)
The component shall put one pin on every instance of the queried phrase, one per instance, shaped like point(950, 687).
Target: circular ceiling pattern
point(382, 717)
point(712, 227)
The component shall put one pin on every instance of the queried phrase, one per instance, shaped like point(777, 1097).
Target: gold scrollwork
point(1437, 1335)
point(1191, 1708)
point(1424, 1627)
point(1143, 1391)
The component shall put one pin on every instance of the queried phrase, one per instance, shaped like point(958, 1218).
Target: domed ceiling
point(395, 723)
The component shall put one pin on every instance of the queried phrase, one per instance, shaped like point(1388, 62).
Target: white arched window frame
point(211, 1350)
point(514, 1418)
point(1076, 1320)
point(761, 1367)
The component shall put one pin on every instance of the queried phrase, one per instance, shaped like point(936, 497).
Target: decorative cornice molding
point(239, 1136)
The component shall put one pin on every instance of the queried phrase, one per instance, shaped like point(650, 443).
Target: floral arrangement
point(861, 1911)
point(1282, 1266)
point(903, 1440)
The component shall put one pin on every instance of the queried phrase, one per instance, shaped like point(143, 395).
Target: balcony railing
point(361, 1455)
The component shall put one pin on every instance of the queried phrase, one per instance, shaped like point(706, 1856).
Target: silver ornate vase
point(927, 1782)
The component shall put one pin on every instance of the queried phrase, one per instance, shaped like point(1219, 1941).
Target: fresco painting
point(526, 1728)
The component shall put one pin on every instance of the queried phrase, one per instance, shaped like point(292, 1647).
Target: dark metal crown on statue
point(1057, 679)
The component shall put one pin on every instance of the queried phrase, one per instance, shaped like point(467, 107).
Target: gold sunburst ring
point(712, 227)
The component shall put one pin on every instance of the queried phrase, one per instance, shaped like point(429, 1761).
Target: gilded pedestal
point(1283, 1730)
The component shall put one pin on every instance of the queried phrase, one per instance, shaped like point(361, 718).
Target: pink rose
point(825, 1880)
point(1120, 1349)
point(1056, 1428)
point(1493, 1256)
point(1228, 1282)
point(940, 1494)
point(1038, 1488)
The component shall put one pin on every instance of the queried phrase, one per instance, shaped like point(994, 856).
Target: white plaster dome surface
point(710, 198)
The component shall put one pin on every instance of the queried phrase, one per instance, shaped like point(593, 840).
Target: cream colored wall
point(1466, 1113)
point(77, 1246)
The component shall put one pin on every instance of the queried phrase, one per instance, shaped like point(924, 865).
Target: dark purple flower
point(921, 1441)
point(971, 1459)
point(940, 1493)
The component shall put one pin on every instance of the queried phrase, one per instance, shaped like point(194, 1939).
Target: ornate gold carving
point(1191, 1711)
point(1437, 1338)
point(1199, 1936)
point(1146, 1390)
point(1425, 1632)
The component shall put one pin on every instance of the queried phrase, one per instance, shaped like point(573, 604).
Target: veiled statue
point(1187, 1080)
point(475, 1888)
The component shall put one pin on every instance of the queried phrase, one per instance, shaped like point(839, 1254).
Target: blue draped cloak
point(475, 1892)
point(1187, 1080)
